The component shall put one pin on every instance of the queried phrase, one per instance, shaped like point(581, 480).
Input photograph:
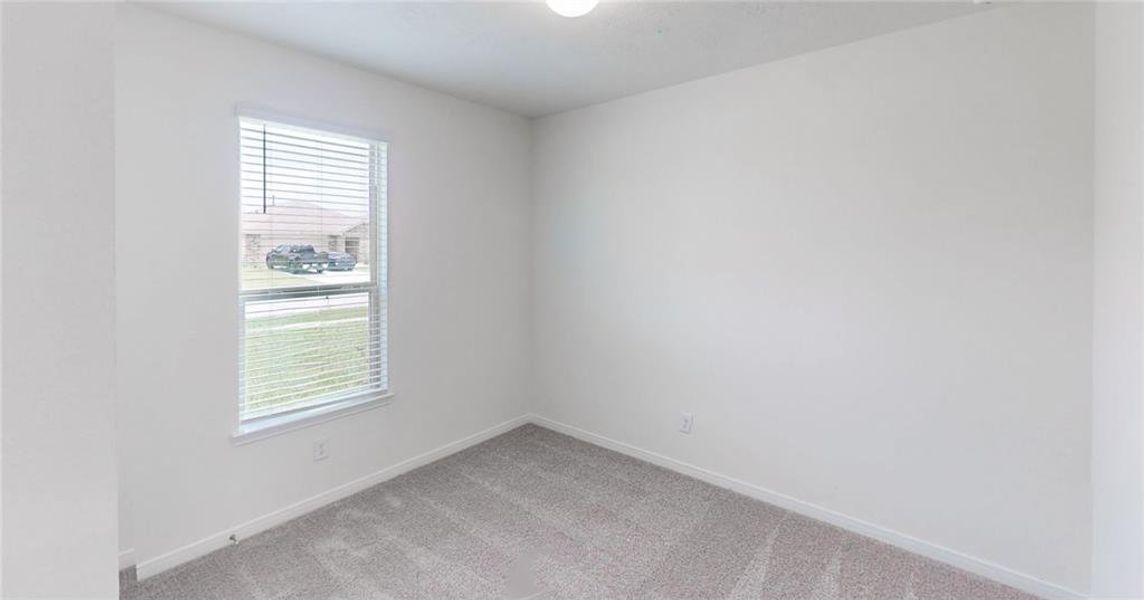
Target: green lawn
point(305, 354)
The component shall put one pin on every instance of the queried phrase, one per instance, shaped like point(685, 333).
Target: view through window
point(313, 268)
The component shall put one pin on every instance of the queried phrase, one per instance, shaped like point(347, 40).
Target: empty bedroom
point(571, 299)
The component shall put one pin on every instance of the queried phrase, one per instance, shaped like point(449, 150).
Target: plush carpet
point(536, 514)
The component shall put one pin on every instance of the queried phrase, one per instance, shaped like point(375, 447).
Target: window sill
point(272, 425)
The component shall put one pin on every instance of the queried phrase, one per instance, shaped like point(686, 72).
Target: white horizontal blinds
point(305, 351)
point(312, 263)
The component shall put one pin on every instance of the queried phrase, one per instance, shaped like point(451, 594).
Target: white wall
point(1, 298)
point(866, 270)
point(1118, 325)
point(59, 495)
point(459, 194)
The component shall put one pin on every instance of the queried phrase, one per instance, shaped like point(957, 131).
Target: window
point(313, 317)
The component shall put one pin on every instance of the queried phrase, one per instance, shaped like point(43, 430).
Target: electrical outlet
point(321, 450)
point(686, 421)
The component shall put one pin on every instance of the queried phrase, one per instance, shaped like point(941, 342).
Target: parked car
point(341, 261)
point(297, 258)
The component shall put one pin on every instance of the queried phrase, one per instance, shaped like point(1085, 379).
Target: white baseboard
point(126, 558)
point(158, 564)
point(984, 568)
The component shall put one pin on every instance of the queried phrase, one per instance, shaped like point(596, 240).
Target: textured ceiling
point(521, 57)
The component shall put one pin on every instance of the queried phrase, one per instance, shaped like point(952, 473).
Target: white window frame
point(258, 427)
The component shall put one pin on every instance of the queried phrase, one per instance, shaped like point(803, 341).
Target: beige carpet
point(536, 514)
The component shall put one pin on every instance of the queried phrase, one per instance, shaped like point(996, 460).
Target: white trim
point(221, 539)
point(126, 558)
point(984, 568)
point(251, 111)
point(272, 425)
point(978, 566)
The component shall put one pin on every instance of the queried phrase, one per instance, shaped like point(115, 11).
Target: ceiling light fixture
point(572, 8)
